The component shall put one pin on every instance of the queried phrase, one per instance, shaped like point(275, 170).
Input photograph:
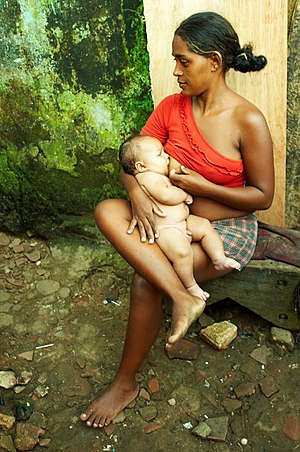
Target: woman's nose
point(176, 71)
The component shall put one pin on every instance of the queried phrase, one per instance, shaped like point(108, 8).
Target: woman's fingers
point(131, 226)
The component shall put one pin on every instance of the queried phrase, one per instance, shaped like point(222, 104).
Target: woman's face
point(193, 71)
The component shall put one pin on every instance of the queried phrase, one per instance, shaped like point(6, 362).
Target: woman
point(224, 145)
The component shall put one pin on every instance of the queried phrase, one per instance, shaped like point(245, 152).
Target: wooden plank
point(267, 288)
point(263, 22)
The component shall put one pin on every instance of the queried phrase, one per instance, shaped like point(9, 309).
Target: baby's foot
point(183, 315)
point(196, 291)
point(226, 262)
point(104, 408)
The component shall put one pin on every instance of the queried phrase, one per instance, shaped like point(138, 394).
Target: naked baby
point(145, 158)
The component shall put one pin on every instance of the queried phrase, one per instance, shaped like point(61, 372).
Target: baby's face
point(153, 156)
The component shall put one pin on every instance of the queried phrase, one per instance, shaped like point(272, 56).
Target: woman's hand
point(189, 181)
point(143, 210)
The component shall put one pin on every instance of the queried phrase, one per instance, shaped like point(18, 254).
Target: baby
point(145, 158)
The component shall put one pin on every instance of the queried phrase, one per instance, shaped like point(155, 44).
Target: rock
point(152, 427)
point(28, 356)
point(45, 442)
point(232, 404)
point(7, 379)
point(6, 443)
point(219, 335)
point(18, 249)
point(188, 398)
point(291, 428)
point(4, 296)
point(27, 436)
point(268, 386)
point(244, 389)
point(219, 427)
point(172, 402)
point(18, 389)
point(120, 418)
point(4, 239)
point(250, 367)
point(81, 363)
point(262, 426)
point(148, 413)
point(109, 429)
point(24, 378)
point(47, 287)
point(144, 394)
point(202, 430)
point(38, 419)
point(41, 391)
point(153, 385)
point(183, 349)
point(261, 354)
point(283, 338)
point(7, 422)
point(6, 320)
point(64, 292)
point(139, 377)
point(33, 256)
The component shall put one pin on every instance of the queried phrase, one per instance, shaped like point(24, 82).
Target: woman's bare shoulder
point(246, 112)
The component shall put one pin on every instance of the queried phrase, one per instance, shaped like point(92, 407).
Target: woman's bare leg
point(113, 218)
point(145, 316)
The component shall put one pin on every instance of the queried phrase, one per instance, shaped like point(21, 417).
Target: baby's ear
point(140, 167)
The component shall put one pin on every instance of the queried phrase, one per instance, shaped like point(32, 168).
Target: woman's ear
point(140, 167)
point(216, 61)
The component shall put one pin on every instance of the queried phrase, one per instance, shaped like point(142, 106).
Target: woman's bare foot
point(183, 315)
point(104, 408)
point(226, 262)
point(196, 291)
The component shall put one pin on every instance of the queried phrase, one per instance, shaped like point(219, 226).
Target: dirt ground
point(61, 346)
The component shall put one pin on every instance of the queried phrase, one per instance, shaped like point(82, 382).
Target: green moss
point(75, 83)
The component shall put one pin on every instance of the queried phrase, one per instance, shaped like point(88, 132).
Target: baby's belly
point(174, 214)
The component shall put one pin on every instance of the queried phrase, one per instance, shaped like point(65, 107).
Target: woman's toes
point(102, 422)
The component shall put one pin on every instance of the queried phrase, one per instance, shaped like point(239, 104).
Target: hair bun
point(245, 61)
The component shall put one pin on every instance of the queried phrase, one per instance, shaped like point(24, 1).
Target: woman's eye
point(184, 63)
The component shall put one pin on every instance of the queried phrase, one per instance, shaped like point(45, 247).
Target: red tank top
point(173, 123)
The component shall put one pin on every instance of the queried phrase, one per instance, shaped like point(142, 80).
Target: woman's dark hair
point(207, 32)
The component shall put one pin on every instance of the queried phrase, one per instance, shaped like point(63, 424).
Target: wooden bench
point(270, 289)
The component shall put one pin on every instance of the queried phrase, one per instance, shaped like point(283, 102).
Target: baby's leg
point(178, 250)
point(203, 231)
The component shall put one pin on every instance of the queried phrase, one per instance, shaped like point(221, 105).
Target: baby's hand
point(189, 199)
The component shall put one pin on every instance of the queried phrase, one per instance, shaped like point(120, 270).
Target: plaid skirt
point(239, 236)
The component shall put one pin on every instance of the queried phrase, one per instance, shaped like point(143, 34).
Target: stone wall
point(74, 83)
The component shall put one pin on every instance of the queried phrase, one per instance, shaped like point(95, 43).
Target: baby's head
point(143, 153)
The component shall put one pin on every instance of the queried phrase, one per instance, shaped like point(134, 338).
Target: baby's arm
point(160, 189)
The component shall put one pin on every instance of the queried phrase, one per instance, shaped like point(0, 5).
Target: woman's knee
point(142, 286)
point(109, 210)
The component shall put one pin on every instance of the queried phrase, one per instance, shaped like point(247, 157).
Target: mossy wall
point(74, 83)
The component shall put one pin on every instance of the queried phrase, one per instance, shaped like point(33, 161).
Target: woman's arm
point(143, 209)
